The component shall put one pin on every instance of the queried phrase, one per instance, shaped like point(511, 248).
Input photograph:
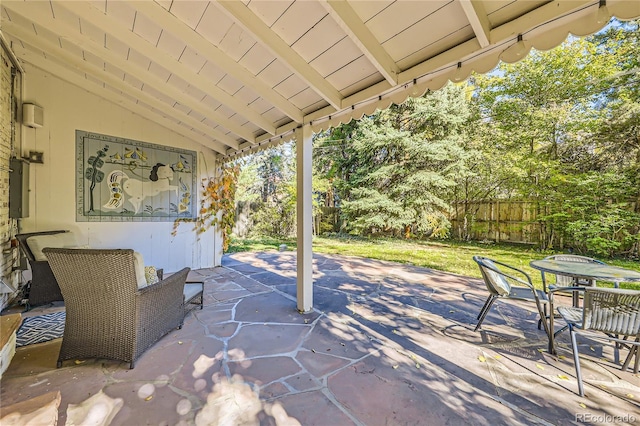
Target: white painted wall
point(68, 108)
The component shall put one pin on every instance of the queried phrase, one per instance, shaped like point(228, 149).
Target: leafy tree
point(554, 122)
point(267, 183)
point(392, 171)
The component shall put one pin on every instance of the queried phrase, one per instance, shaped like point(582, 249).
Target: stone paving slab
point(386, 344)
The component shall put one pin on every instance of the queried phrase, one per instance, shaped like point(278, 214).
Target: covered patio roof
point(239, 76)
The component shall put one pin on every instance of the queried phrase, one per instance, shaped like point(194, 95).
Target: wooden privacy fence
point(500, 220)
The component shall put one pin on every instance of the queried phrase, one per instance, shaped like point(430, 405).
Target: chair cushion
point(138, 263)
point(500, 282)
point(61, 240)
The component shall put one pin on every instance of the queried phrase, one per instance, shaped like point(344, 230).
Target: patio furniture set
point(612, 311)
point(114, 308)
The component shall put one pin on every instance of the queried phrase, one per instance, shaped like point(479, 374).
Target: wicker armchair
point(613, 311)
point(108, 316)
point(44, 287)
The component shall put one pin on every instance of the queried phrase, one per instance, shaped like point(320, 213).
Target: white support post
point(304, 148)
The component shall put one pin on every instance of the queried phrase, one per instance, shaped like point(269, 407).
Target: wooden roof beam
point(243, 16)
point(357, 31)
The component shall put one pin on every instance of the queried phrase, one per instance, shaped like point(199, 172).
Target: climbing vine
point(217, 205)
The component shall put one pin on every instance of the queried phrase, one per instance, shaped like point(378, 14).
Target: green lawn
point(449, 256)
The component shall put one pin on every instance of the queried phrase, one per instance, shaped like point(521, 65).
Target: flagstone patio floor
point(386, 344)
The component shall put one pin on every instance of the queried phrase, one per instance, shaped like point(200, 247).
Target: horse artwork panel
point(126, 180)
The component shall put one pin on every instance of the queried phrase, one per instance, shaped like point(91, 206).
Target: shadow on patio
point(386, 344)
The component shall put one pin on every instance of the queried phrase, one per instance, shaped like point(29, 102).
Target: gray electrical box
point(18, 188)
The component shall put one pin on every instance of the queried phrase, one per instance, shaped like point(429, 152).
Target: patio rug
point(41, 328)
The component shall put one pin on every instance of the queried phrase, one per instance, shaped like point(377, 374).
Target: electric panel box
point(18, 188)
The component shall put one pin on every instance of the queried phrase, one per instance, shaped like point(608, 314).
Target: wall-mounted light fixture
point(602, 15)
point(458, 74)
point(516, 51)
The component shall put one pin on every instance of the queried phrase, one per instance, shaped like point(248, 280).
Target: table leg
point(634, 350)
point(552, 349)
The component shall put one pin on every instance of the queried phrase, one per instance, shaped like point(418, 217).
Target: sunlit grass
point(449, 256)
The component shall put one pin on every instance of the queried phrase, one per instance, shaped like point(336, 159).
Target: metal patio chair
point(505, 285)
point(563, 282)
point(612, 311)
point(108, 314)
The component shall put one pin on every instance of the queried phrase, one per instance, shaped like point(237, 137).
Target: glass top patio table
point(591, 271)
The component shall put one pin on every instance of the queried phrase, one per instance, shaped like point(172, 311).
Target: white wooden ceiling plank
point(69, 47)
point(116, 46)
point(444, 25)
point(212, 53)
point(99, 4)
point(319, 39)
point(362, 84)
point(43, 32)
point(121, 11)
point(474, 10)
point(144, 27)
point(337, 57)
point(171, 45)
point(94, 60)
point(217, 127)
point(368, 9)
point(269, 11)
point(185, 109)
point(196, 115)
point(211, 103)
point(64, 16)
point(65, 74)
point(305, 98)
point(274, 115)
point(128, 78)
point(107, 24)
point(254, 25)
point(178, 83)
point(401, 15)
point(94, 33)
point(290, 87)
point(159, 71)
point(247, 95)
point(436, 48)
point(359, 33)
point(211, 71)
point(309, 110)
point(257, 59)
point(262, 106)
point(536, 17)
point(166, 4)
point(230, 85)
point(236, 43)
point(213, 25)
point(501, 12)
point(192, 59)
point(195, 92)
point(189, 12)
point(115, 71)
point(275, 73)
point(157, 94)
point(353, 72)
point(135, 58)
point(297, 20)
